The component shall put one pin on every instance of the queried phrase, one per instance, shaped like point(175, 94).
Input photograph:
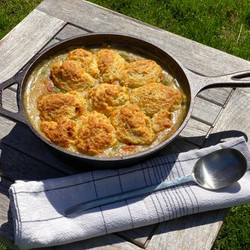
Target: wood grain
point(190, 232)
point(138, 236)
point(195, 132)
point(50, 43)
point(9, 103)
point(9, 100)
point(110, 242)
point(70, 31)
point(25, 40)
point(23, 140)
point(205, 111)
point(234, 120)
point(108, 21)
point(217, 96)
point(6, 126)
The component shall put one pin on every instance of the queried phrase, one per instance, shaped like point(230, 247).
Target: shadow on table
point(24, 156)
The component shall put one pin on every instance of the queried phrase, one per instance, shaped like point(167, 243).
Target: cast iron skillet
point(190, 82)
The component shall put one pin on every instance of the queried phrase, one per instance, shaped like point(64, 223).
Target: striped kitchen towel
point(38, 206)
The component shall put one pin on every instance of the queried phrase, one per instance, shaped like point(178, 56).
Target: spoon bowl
point(220, 169)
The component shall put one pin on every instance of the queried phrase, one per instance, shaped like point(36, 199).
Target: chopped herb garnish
point(56, 91)
point(116, 147)
point(184, 100)
point(165, 82)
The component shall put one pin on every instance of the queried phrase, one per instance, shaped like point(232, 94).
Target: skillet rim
point(144, 154)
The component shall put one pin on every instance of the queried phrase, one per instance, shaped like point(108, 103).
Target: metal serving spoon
point(213, 171)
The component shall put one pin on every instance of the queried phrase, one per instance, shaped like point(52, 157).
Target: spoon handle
point(113, 198)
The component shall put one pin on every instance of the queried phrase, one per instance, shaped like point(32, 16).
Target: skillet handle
point(18, 116)
point(200, 82)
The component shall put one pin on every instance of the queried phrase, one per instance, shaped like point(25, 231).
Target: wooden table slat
point(205, 111)
point(70, 31)
point(32, 33)
point(9, 100)
point(190, 232)
point(195, 132)
point(216, 96)
point(50, 43)
point(138, 236)
point(110, 242)
point(232, 122)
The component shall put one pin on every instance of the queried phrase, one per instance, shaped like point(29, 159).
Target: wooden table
point(218, 114)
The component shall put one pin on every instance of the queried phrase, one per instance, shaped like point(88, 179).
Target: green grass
point(2, 247)
point(222, 24)
point(12, 12)
point(235, 232)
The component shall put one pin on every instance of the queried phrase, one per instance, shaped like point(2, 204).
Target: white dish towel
point(38, 206)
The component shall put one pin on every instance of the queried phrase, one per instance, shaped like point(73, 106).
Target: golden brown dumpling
point(132, 125)
point(110, 64)
point(162, 120)
point(95, 134)
point(62, 133)
point(141, 72)
point(153, 97)
point(58, 105)
point(86, 59)
point(106, 97)
point(69, 75)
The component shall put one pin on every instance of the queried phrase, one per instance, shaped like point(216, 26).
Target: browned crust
point(69, 75)
point(62, 133)
point(58, 105)
point(95, 134)
point(104, 98)
point(153, 97)
point(132, 125)
point(141, 72)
